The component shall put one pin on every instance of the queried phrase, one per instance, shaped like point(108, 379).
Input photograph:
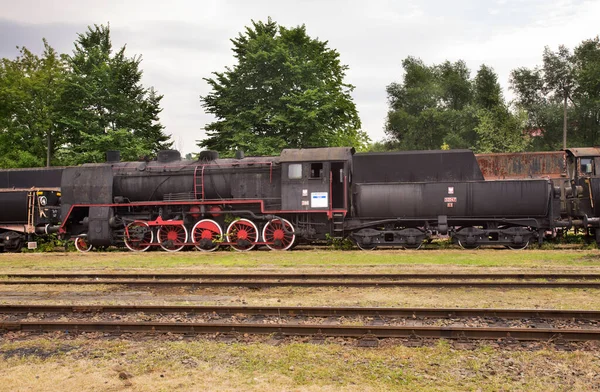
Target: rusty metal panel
point(317, 154)
point(584, 151)
point(548, 164)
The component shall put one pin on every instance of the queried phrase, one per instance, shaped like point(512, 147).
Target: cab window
point(316, 170)
point(295, 171)
point(586, 166)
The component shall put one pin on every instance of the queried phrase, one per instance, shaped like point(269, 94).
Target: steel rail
point(311, 283)
point(266, 276)
point(311, 311)
point(283, 330)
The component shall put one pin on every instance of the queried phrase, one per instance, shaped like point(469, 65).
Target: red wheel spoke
point(206, 235)
point(172, 238)
point(277, 233)
point(243, 234)
point(138, 236)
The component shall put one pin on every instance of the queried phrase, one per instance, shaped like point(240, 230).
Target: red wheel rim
point(276, 237)
point(172, 238)
point(82, 245)
point(207, 229)
point(243, 234)
point(138, 236)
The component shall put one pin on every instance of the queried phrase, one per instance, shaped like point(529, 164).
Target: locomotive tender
point(398, 199)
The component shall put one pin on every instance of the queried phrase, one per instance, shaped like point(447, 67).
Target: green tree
point(500, 131)
point(440, 106)
point(30, 90)
point(586, 95)
point(544, 116)
point(559, 79)
point(487, 92)
point(562, 93)
point(104, 105)
point(286, 90)
point(415, 119)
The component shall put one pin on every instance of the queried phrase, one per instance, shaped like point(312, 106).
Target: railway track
point(265, 276)
point(368, 334)
point(311, 311)
point(314, 280)
point(319, 331)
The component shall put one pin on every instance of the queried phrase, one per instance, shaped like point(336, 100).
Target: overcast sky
point(182, 42)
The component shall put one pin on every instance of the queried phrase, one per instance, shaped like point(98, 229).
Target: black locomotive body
point(173, 203)
point(443, 194)
point(29, 204)
point(397, 199)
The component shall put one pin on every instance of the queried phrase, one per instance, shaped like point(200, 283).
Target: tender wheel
point(172, 238)
point(413, 247)
point(243, 234)
point(468, 247)
point(138, 236)
point(365, 247)
point(207, 233)
point(518, 247)
point(82, 245)
point(274, 233)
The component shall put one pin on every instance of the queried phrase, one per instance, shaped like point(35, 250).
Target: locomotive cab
point(317, 180)
point(583, 194)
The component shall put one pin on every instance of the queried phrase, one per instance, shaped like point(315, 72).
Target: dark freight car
point(29, 202)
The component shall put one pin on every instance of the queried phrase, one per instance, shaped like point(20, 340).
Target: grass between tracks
point(527, 298)
point(309, 259)
point(48, 364)
point(85, 364)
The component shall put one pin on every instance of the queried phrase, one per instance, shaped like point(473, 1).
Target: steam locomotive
point(392, 199)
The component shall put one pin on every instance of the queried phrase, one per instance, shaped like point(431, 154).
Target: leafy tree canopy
point(30, 91)
point(104, 105)
point(565, 90)
point(441, 106)
point(286, 90)
point(63, 110)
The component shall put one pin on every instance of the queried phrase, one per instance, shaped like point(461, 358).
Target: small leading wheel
point(276, 237)
point(243, 234)
point(138, 236)
point(206, 234)
point(172, 238)
point(82, 245)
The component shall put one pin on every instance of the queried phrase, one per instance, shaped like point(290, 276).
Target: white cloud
point(183, 41)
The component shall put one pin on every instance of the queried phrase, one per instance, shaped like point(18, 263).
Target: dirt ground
point(97, 362)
